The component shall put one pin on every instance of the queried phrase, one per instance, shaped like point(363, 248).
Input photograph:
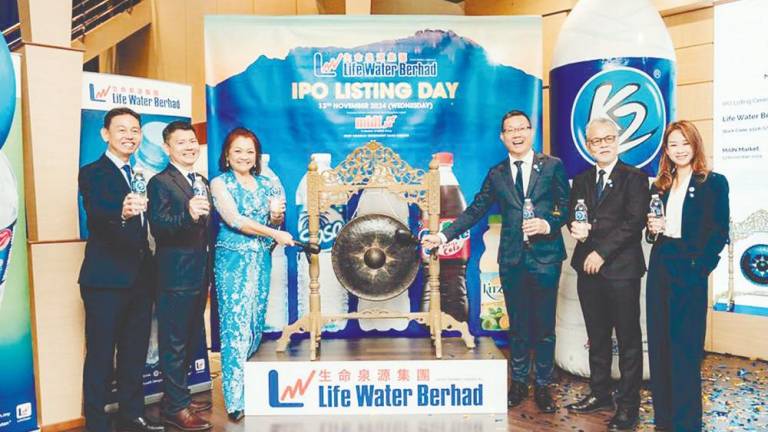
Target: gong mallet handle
point(307, 247)
point(406, 237)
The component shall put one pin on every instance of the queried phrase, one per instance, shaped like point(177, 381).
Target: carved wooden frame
point(373, 165)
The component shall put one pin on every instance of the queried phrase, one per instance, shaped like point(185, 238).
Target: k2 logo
point(634, 101)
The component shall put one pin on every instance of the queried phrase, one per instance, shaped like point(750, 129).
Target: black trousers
point(609, 304)
point(676, 302)
point(115, 319)
point(180, 332)
point(530, 293)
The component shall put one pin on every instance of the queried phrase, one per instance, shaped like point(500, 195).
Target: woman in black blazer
point(686, 245)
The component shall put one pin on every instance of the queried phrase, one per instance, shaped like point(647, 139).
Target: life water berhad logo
point(634, 101)
point(279, 395)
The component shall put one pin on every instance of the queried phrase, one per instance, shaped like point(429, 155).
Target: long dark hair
point(240, 132)
point(666, 175)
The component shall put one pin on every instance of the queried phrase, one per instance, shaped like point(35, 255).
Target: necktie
point(519, 180)
point(191, 177)
point(600, 184)
point(128, 173)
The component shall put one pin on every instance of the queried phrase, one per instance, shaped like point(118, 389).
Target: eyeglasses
point(516, 130)
point(608, 139)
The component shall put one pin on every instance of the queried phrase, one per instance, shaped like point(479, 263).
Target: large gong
point(373, 258)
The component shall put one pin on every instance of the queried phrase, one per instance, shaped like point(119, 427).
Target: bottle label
point(580, 216)
point(457, 248)
point(331, 222)
point(493, 312)
point(139, 186)
point(637, 93)
point(6, 241)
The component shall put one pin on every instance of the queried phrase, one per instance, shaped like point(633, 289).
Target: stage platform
point(380, 349)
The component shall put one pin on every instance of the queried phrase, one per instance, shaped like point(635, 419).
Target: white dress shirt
point(608, 170)
point(674, 210)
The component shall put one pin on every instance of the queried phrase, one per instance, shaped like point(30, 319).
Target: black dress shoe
point(139, 424)
point(591, 403)
point(544, 400)
point(625, 419)
point(236, 416)
point(517, 393)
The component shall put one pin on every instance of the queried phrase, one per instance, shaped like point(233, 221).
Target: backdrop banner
point(740, 152)
point(18, 410)
point(158, 103)
point(417, 84)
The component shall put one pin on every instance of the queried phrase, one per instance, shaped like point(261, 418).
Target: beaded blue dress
point(242, 266)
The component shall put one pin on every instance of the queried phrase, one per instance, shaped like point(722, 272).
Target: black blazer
point(183, 245)
point(548, 189)
point(117, 251)
point(617, 219)
point(705, 220)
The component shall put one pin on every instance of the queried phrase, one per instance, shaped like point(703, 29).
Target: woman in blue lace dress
point(250, 220)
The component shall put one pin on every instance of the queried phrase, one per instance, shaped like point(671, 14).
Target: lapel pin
point(537, 167)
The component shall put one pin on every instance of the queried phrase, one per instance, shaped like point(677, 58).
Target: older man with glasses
point(609, 261)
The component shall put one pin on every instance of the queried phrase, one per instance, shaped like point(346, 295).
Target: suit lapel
point(688, 202)
point(535, 170)
point(508, 182)
point(112, 172)
point(180, 180)
point(590, 185)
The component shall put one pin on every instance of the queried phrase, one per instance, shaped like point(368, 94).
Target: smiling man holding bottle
point(609, 261)
point(531, 251)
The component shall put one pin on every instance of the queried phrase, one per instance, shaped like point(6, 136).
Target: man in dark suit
point(116, 281)
point(609, 261)
point(181, 228)
point(530, 253)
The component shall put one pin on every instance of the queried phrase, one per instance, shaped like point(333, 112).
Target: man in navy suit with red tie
point(116, 280)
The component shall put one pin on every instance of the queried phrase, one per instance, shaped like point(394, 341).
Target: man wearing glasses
point(609, 261)
point(531, 251)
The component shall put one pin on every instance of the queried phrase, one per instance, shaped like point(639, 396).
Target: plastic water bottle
point(580, 212)
point(199, 189)
point(9, 211)
point(656, 207)
point(493, 311)
point(612, 59)
point(139, 182)
point(383, 201)
point(277, 303)
point(528, 214)
point(333, 297)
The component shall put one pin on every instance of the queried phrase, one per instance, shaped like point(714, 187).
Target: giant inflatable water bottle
point(9, 198)
point(334, 298)
point(612, 59)
point(277, 303)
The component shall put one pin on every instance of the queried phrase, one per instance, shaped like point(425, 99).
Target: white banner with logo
point(158, 103)
point(741, 151)
point(376, 387)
